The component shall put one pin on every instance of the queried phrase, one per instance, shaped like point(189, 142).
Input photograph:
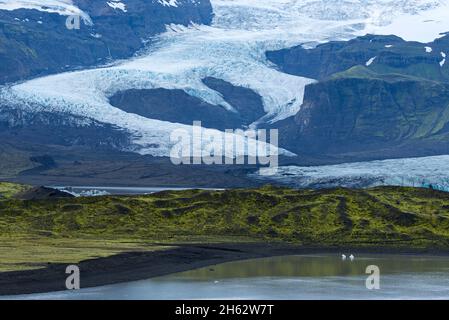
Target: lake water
point(288, 277)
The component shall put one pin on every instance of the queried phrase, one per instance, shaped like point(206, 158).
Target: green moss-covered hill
point(388, 216)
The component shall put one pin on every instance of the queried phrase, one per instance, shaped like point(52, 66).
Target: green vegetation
point(34, 232)
point(13, 160)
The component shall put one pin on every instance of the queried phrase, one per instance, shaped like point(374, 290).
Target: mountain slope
point(425, 172)
point(376, 93)
point(231, 50)
point(351, 114)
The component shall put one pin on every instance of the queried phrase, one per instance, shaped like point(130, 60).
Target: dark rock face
point(34, 43)
point(306, 63)
point(177, 106)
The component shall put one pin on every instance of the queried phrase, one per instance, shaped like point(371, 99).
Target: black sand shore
point(144, 265)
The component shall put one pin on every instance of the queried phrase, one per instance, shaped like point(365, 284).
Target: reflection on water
point(289, 277)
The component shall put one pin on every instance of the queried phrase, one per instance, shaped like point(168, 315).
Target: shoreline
point(135, 266)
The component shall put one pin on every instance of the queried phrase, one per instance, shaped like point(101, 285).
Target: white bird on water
point(343, 257)
point(351, 257)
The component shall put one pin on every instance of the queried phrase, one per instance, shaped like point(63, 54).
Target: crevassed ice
point(232, 49)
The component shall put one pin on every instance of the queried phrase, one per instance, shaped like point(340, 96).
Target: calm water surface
point(289, 277)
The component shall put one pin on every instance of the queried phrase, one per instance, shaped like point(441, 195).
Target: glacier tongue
point(232, 49)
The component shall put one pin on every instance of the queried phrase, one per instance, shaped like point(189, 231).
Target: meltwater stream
point(288, 277)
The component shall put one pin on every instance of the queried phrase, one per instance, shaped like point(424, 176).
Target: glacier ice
point(232, 48)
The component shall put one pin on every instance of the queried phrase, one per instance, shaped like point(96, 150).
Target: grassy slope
point(75, 229)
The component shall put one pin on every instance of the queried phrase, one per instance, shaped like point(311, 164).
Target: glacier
point(425, 172)
point(232, 48)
